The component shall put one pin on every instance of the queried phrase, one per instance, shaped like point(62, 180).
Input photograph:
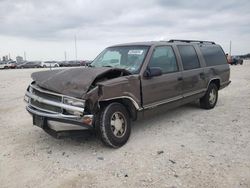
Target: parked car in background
point(11, 64)
point(234, 60)
point(3, 65)
point(74, 63)
point(63, 64)
point(85, 63)
point(48, 64)
point(30, 64)
point(8, 65)
point(126, 82)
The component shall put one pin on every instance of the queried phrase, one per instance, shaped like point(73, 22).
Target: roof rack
point(191, 41)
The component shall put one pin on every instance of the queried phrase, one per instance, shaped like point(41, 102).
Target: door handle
point(179, 78)
point(202, 75)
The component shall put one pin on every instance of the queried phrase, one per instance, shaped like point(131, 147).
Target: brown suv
point(123, 81)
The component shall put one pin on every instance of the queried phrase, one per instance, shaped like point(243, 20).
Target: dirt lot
point(185, 147)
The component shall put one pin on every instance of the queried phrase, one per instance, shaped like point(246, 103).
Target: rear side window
point(189, 57)
point(213, 55)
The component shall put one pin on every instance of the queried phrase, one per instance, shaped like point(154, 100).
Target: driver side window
point(163, 57)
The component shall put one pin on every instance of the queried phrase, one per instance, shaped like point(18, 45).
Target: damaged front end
point(48, 107)
point(72, 97)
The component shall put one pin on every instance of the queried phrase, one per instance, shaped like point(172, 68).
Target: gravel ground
point(184, 147)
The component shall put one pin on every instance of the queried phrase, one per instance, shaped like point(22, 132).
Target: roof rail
point(191, 41)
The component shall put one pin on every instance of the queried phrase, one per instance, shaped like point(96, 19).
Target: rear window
point(189, 57)
point(213, 55)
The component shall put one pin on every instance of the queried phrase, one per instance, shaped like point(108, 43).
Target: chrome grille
point(42, 100)
point(48, 96)
point(45, 95)
point(45, 107)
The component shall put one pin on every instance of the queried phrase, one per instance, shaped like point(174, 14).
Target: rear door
point(193, 73)
point(165, 88)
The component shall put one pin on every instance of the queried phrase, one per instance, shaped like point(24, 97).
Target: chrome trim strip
point(126, 97)
point(41, 109)
point(44, 114)
point(51, 93)
point(53, 103)
point(194, 92)
point(44, 91)
point(152, 105)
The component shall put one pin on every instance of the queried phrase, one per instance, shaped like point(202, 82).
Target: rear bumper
point(225, 84)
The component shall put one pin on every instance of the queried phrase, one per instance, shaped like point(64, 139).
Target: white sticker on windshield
point(135, 52)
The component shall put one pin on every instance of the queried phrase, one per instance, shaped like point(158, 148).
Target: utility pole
point(24, 55)
point(230, 48)
point(75, 49)
point(65, 56)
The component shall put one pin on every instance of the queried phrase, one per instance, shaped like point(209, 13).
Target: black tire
point(108, 133)
point(207, 101)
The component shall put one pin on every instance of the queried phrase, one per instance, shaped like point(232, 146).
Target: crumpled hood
point(74, 82)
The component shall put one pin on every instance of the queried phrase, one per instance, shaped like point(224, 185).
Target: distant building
point(19, 59)
point(5, 58)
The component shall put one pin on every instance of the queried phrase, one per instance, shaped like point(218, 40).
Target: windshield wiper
point(107, 66)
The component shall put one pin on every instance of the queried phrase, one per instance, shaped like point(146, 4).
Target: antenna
point(230, 48)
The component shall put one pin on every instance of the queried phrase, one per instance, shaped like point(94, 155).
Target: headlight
point(74, 102)
point(26, 98)
point(30, 89)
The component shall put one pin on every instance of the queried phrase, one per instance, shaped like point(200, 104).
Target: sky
point(46, 29)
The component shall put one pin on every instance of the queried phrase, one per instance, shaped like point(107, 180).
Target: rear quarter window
point(213, 55)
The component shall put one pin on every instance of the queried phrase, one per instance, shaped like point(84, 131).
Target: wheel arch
point(216, 81)
point(128, 103)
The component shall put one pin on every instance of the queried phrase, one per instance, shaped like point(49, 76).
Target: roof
point(150, 43)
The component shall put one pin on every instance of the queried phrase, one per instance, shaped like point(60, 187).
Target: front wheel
point(209, 100)
point(114, 125)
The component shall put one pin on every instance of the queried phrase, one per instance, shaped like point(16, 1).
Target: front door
point(167, 87)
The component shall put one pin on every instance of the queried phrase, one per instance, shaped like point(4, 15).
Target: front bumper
point(49, 106)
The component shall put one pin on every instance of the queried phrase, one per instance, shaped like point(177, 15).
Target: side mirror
point(152, 72)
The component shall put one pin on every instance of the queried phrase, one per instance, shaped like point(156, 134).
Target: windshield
point(125, 57)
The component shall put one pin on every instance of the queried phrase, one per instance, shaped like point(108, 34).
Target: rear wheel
point(209, 100)
point(114, 125)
